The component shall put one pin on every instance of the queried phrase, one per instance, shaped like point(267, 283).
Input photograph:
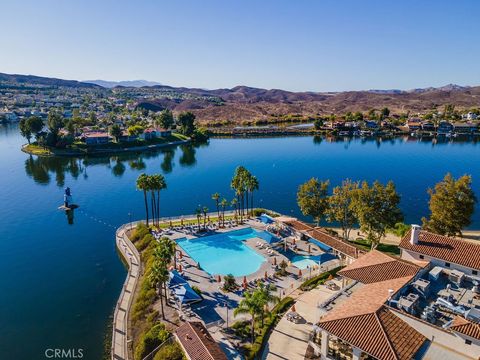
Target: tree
point(266, 297)
point(158, 276)
point(376, 208)
point(452, 203)
point(25, 130)
point(216, 198)
point(55, 122)
point(250, 304)
point(158, 183)
point(312, 198)
point(135, 130)
point(252, 185)
point(223, 204)
point(318, 123)
point(116, 132)
point(143, 185)
point(234, 205)
point(165, 119)
point(340, 206)
point(186, 120)
point(204, 212)
point(35, 125)
point(385, 113)
point(198, 213)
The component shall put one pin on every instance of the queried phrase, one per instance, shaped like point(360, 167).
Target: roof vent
point(414, 234)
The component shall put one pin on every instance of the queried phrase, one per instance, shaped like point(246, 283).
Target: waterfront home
point(96, 138)
point(126, 137)
point(370, 124)
point(428, 126)
point(10, 116)
point(414, 124)
point(444, 128)
point(465, 127)
point(153, 133)
point(470, 116)
point(443, 251)
point(197, 343)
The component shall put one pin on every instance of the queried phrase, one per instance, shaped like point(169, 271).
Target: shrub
point(319, 279)
point(150, 339)
point(143, 244)
point(170, 352)
point(140, 231)
point(229, 283)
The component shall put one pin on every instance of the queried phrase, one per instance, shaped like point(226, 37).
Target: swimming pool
point(302, 261)
point(226, 253)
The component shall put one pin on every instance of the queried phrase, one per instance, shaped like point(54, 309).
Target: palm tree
point(163, 253)
point(250, 304)
point(216, 198)
point(205, 211)
point(159, 185)
point(223, 204)
point(151, 187)
point(142, 184)
point(234, 203)
point(252, 185)
point(266, 297)
point(198, 212)
point(157, 277)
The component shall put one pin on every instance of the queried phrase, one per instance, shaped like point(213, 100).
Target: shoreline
point(103, 152)
point(121, 314)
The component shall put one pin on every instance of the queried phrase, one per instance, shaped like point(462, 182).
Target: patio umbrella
point(219, 278)
point(181, 221)
point(266, 275)
point(299, 272)
point(244, 280)
point(274, 261)
point(180, 267)
point(293, 308)
point(309, 249)
point(171, 223)
point(294, 242)
point(289, 263)
point(245, 285)
point(180, 255)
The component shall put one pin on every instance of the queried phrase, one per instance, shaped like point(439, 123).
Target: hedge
point(319, 279)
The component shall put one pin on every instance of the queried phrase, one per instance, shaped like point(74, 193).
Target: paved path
point(289, 341)
point(120, 317)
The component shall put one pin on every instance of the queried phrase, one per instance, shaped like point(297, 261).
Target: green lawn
point(386, 248)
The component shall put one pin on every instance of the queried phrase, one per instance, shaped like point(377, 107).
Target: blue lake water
point(60, 282)
point(225, 253)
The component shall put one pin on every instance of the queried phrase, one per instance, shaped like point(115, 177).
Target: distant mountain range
point(127, 83)
point(247, 103)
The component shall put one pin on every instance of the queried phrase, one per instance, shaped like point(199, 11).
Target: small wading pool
point(226, 253)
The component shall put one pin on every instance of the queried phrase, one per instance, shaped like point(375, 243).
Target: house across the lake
point(153, 133)
point(96, 138)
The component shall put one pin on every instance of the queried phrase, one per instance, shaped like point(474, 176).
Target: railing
point(131, 260)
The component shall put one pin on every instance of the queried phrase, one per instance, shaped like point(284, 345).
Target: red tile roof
point(364, 322)
point(298, 225)
point(465, 327)
point(197, 342)
point(446, 248)
point(334, 243)
point(376, 266)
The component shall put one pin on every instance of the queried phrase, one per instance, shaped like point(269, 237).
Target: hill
point(45, 81)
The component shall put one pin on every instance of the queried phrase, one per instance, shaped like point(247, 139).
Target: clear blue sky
point(290, 44)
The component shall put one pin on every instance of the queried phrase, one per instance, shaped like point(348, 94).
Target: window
point(474, 272)
point(422, 257)
point(468, 342)
point(447, 264)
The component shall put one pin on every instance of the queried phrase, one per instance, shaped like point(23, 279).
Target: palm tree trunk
point(161, 302)
point(152, 204)
point(146, 204)
point(251, 202)
point(253, 329)
point(158, 207)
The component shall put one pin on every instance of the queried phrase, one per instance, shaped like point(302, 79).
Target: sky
point(299, 45)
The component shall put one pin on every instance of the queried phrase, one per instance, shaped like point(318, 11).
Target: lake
point(60, 281)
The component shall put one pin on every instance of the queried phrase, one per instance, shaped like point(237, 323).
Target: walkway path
point(120, 317)
point(289, 340)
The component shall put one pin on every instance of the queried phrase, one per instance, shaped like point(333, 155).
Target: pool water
point(225, 253)
point(302, 262)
